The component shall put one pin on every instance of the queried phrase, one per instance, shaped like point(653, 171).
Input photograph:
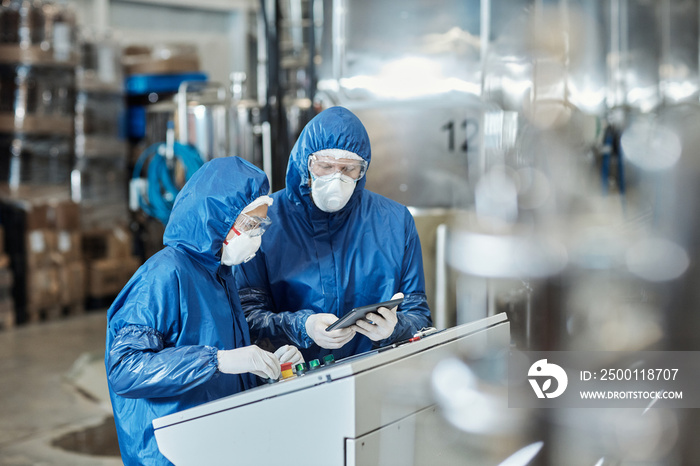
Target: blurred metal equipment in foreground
point(548, 151)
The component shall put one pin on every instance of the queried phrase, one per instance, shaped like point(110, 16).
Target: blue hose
point(162, 190)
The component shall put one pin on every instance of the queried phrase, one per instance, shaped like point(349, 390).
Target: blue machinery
point(155, 194)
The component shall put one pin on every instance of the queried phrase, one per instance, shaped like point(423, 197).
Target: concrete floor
point(53, 389)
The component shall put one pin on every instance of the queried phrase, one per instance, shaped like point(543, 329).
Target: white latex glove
point(383, 322)
point(316, 328)
point(289, 353)
point(249, 359)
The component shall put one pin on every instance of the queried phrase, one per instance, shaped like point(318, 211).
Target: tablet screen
point(360, 313)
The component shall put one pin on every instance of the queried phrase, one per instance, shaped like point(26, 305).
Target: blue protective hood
point(334, 128)
point(165, 327)
point(312, 261)
point(227, 184)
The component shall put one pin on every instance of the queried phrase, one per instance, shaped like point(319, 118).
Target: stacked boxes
point(66, 244)
point(43, 241)
point(7, 306)
point(110, 261)
point(25, 223)
point(56, 264)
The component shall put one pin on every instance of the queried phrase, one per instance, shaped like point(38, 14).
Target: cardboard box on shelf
point(37, 249)
point(6, 282)
point(43, 289)
point(106, 277)
point(4, 260)
point(72, 277)
point(94, 244)
point(7, 313)
point(65, 245)
point(170, 65)
point(64, 215)
point(35, 216)
point(107, 243)
point(120, 243)
point(28, 207)
point(160, 59)
point(41, 234)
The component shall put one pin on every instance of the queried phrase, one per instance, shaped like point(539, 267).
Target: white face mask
point(240, 249)
point(331, 193)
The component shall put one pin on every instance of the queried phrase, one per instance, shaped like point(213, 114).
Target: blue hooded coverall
point(311, 261)
point(180, 307)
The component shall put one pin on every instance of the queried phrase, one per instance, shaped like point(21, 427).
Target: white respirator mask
point(249, 230)
point(331, 192)
point(240, 249)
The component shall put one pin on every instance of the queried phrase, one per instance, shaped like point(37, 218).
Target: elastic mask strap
point(238, 233)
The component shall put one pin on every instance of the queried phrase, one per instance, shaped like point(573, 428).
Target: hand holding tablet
point(360, 313)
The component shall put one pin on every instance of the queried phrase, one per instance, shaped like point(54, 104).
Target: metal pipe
point(338, 38)
point(267, 149)
point(440, 311)
point(485, 31)
point(182, 113)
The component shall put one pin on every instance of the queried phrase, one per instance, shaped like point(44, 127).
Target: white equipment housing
point(373, 408)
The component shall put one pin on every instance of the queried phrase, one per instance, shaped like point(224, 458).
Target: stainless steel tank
point(250, 135)
point(200, 114)
point(411, 73)
point(215, 120)
point(203, 118)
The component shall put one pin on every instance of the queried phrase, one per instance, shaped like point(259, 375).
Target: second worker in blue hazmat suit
point(176, 334)
point(334, 246)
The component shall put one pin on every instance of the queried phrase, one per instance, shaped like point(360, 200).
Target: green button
point(301, 368)
point(314, 364)
point(328, 359)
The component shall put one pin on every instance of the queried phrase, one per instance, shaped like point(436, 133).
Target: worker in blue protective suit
point(334, 246)
point(176, 334)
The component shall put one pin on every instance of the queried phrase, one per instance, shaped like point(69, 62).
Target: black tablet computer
point(360, 313)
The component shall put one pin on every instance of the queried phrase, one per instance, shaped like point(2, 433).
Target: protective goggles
point(323, 166)
point(251, 225)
